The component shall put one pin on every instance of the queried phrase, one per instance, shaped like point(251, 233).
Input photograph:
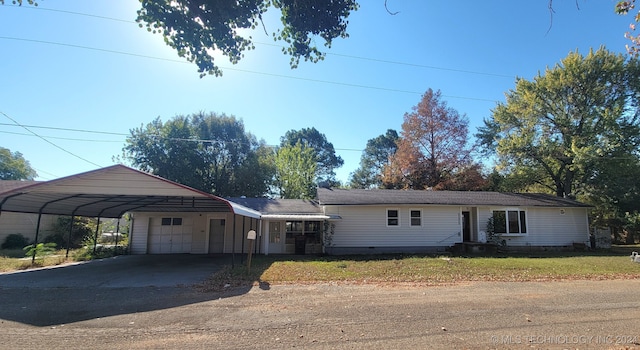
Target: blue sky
point(100, 72)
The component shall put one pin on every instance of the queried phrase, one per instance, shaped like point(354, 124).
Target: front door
point(466, 226)
point(276, 237)
point(216, 236)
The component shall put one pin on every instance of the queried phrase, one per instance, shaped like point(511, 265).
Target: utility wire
point(392, 62)
point(67, 129)
point(60, 138)
point(244, 70)
point(49, 142)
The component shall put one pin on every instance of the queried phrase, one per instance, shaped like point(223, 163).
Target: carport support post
point(95, 237)
point(233, 246)
point(117, 233)
point(35, 240)
point(70, 231)
point(242, 245)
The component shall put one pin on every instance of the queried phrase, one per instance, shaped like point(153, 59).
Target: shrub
point(100, 253)
point(82, 229)
point(15, 241)
point(40, 249)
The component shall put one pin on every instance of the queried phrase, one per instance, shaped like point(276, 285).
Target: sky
point(78, 75)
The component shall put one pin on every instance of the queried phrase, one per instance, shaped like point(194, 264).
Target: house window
point(293, 229)
point(416, 218)
point(510, 222)
point(393, 217)
point(274, 232)
point(171, 221)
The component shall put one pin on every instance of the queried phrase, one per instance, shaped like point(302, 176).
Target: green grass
point(14, 259)
point(427, 270)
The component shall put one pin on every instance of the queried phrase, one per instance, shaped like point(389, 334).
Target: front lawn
point(425, 269)
point(15, 259)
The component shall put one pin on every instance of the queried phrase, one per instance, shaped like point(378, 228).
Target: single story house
point(418, 221)
point(168, 217)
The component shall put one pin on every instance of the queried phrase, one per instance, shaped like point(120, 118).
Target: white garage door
point(170, 235)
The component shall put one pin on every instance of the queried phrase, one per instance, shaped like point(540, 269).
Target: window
point(510, 221)
point(274, 232)
point(393, 217)
point(171, 222)
point(309, 229)
point(416, 218)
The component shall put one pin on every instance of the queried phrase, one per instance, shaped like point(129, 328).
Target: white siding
point(26, 225)
point(547, 226)
point(199, 239)
point(366, 226)
point(139, 233)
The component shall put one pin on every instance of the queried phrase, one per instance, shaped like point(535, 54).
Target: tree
point(295, 172)
point(13, 166)
point(567, 125)
point(623, 8)
point(324, 153)
point(209, 152)
point(465, 178)
point(433, 144)
point(197, 28)
point(375, 157)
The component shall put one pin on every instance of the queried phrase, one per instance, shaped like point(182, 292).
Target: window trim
point(519, 211)
point(396, 217)
point(411, 217)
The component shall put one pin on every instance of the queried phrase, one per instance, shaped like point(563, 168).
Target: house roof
point(109, 193)
point(292, 209)
point(397, 197)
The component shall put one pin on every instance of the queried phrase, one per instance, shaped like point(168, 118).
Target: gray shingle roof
point(279, 206)
point(371, 197)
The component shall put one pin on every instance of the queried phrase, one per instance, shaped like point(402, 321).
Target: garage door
point(170, 235)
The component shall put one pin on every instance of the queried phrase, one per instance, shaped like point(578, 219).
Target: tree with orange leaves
point(432, 146)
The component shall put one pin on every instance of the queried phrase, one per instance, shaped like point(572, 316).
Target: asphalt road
point(538, 315)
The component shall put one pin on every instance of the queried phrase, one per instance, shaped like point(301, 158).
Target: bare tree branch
point(386, 8)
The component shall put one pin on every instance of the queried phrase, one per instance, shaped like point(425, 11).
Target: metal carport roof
point(109, 193)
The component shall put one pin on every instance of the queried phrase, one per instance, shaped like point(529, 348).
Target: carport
point(113, 191)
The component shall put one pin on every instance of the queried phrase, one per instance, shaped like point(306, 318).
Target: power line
point(242, 70)
point(68, 129)
point(392, 62)
point(49, 142)
point(60, 138)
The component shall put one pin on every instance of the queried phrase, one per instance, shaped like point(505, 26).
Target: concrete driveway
point(120, 272)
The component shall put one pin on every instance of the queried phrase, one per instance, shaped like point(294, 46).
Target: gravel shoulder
point(478, 315)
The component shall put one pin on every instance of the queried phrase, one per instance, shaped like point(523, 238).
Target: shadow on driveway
point(107, 287)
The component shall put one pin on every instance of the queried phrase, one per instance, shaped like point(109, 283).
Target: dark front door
point(466, 226)
point(216, 236)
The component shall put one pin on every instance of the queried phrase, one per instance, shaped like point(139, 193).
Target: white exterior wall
point(366, 226)
point(194, 230)
point(139, 233)
point(546, 226)
point(200, 234)
point(25, 224)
